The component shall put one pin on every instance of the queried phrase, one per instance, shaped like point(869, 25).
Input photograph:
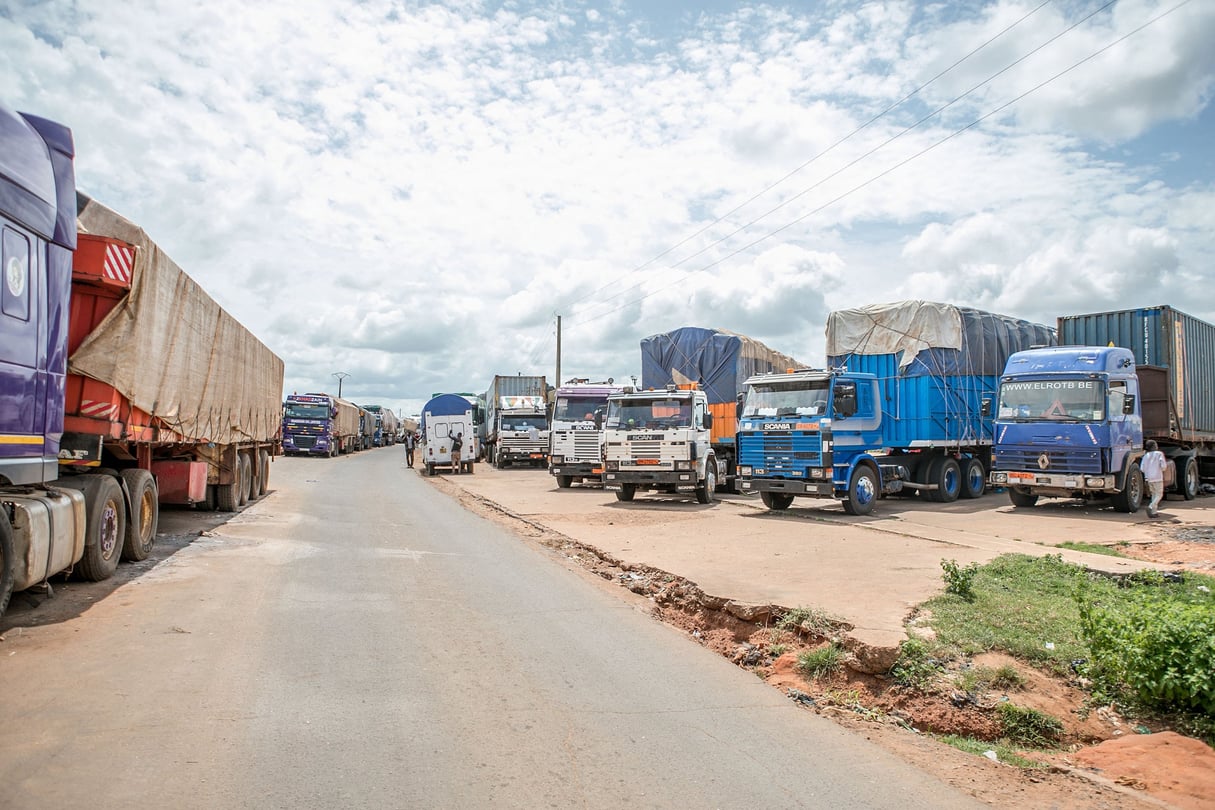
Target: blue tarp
point(720, 362)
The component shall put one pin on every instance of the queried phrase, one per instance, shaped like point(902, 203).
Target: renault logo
point(1043, 461)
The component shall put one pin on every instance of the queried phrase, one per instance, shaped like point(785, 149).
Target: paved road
point(359, 640)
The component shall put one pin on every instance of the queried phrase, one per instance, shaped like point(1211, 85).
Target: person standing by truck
point(1152, 465)
point(457, 444)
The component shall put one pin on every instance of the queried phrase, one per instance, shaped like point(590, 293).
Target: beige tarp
point(906, 326)
point(175, 353)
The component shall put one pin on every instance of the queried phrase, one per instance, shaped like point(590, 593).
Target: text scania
point(1050, 386)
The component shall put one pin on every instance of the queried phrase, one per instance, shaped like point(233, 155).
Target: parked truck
point(687, 408)
point(446, 417)
point(516, 421)
point(386, 426)
point(1072, 421)
point(903, 406)
point(367, 428)
point(576, 439)
point(126, 385)
point(320, 424)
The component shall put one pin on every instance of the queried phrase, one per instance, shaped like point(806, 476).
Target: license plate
point(536, 455)
point(1021, 475)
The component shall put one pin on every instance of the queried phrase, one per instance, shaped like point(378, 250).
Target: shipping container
point(1175, 358)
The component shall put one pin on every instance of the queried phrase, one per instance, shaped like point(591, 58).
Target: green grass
point(1006, 753)
point(809, 620)
point(1028, 728)
point(820, 661)
point(983, 679)
point(1093, 548)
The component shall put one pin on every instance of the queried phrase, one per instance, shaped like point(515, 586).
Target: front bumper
point(821, 489)
point(1056, 482)
point(577, 468)
point(645, 478)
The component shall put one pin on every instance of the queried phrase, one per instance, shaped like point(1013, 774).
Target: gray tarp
point(175, 353)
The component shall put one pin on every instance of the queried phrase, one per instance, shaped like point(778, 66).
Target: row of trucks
point(516, 421)
point(325, 425)
point(123, 385)
point(921, 397)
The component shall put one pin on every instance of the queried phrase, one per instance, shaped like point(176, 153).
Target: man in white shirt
point(1152, 465)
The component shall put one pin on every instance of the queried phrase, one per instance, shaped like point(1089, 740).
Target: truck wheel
point(430, 468)
point(1189, 480)
point(104, 526)
point(974, 479)
point(263, 473)
point(246, 478)
point(708, 489)
point(1021, 497)
point(7, 577)
point(227, 496)
point(862, 492)
point(144, 514)
point(947, 475)
point(626, 492)
point(777, 501)
point(1131, 497)
point(564, 481)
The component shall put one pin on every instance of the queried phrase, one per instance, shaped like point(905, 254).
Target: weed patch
point(1093, 548)
point(1029, 728)
point(820, 661)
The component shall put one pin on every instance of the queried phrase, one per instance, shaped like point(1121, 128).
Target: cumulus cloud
point(411, 195)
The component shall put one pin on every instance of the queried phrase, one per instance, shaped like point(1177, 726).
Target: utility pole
point(557, 382)
point(341, 375)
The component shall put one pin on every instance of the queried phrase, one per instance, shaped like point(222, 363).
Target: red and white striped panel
point(119, 263)
point(98, 410)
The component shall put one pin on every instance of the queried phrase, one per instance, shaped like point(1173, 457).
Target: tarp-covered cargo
point(1175, 356)
point(931, 339)
point(348, 421)
point(936, 365)
point(719, 362)
point(171, 350)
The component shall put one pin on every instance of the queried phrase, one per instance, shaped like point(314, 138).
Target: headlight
point(744, 470)
point(1095, 483)
point(612, 465)
point(683, 465)
point(557, 459)
point(817, 472)
point(1000, 478)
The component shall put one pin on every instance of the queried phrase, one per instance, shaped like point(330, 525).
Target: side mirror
point(708, 418)
point(985, 408)
point(1128, 404)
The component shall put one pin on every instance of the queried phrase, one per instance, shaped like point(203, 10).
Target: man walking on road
point(409, 445)
point(1153, 465)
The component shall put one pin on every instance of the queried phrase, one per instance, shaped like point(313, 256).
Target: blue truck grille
point(781, 453)
point(1025, 458)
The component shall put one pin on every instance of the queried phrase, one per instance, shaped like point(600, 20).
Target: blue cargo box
point(1178, 351)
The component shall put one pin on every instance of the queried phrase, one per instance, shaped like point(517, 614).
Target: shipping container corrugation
point(516, 386)
point(923, 411)
point(1164, 337)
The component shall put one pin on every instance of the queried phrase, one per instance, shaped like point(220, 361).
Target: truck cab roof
point(1072, 360)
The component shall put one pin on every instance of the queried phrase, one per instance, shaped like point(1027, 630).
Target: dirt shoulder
point(720, 573)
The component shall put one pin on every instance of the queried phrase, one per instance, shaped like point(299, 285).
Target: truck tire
point(947, 475)
point(974, 479)
point(564, 481)
point(227, 496)
point(1189, 480)
point(626, 492)
point(105, 527)
point(776, 501)
point(708, 488)
point(7, 577)
point(246, 478)
point(1021, 498)
point(430, 468)
point(263, 473)
point(1131, 497)
point(144, 515)
point(862, 491)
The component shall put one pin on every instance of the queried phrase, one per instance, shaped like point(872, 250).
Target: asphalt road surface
point(357, 639)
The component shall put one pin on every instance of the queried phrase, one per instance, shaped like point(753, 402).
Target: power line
point(769, 187)
point(898, 165)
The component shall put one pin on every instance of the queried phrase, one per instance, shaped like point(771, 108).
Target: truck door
point(22, 358)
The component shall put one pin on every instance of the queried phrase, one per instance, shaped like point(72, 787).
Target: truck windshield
point(654, 414)
point(1055, 400)
point(793, 398)
point(579, 409)
point(296, 410)
point(524, 423)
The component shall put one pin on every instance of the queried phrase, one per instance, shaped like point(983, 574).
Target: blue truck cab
point(308, 425)
point(812, 433)
point(1068, 425)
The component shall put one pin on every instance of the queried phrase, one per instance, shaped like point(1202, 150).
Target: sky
point(410, 194)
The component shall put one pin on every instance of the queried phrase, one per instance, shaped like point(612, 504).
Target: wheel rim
point(147, 508)
point(976, 478)
point(1191, 478)
point(109, 540)
point(864, 489)
point(710, 481)
point(949, 479)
